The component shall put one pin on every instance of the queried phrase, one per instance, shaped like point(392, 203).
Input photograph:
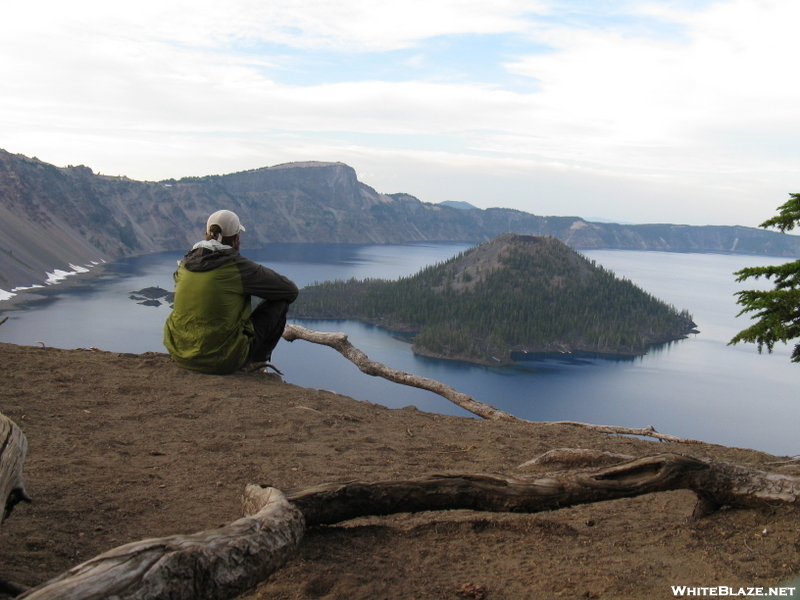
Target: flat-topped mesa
point(515, 293)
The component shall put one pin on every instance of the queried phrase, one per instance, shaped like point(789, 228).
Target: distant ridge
point(513, 293)
point(54, 218)
point(458, 204)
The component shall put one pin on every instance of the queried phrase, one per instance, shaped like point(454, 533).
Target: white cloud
point(631, 100)
point(360, 25)
point(704, 110)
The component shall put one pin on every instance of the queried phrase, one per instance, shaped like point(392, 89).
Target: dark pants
point(269, 319)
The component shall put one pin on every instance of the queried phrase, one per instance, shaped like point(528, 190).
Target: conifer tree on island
point(778, 309)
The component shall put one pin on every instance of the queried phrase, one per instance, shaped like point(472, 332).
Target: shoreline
point(543, 354)
point(43, 292)
point(401, 333)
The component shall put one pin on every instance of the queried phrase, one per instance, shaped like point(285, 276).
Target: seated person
point(212, 327)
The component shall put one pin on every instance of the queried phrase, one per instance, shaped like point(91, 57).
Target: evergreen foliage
point(777, 310)
point(514, 293)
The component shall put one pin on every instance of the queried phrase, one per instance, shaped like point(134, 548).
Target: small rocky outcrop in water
point(152, 296)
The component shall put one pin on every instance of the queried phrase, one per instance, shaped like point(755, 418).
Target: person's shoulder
point(204, 258)
point(241, 259)
point(252, 268)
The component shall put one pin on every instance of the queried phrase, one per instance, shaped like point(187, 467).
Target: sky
point(639, 111)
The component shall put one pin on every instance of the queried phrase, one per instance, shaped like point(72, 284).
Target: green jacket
point(209, 329)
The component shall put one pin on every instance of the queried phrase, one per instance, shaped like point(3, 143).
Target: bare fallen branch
point(648, 431)
point(215, 565)
point(716, 484)
point(13, 448)
point(10, 588)
point(223, 563)
point(340, 343)
point(333, 503)
point(582, 457)
point(728, 484)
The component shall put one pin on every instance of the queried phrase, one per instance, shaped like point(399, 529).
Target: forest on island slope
point(513, 293)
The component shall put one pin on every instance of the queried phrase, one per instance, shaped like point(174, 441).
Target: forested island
point(515, 293)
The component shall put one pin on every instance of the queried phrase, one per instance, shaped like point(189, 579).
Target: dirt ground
point(124, 447)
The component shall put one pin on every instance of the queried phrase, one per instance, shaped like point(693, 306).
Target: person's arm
point(265, 283)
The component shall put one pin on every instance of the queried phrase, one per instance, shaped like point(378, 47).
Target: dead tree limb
point(10, 588)
point(13, 447)
point(340, 343)
point(577, 457)
point(332, 503)
point(225, 562)
point(716, 484)
point(613, 429)
point(727, 484)
point(215, 565)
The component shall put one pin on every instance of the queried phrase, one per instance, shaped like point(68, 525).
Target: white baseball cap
point(228, 222)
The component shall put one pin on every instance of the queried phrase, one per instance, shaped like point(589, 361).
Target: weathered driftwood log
point(13, 447)
point(225, 562)
point(339, 342)
point(333, 503)
point(716, 484)
point(577, 457)
point(648, 431)
point(10, 588)
point(216, 564)
point(727, 484)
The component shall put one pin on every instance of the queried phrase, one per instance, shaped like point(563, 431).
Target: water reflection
point(568, 358)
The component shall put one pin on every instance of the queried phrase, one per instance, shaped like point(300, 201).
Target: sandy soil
point(123, 447)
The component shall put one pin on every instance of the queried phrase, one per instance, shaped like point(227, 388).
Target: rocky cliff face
point(51, 218)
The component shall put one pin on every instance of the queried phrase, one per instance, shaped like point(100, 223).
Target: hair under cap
point(228, 222)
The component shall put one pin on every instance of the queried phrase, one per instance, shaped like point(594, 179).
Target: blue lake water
point(696, 388)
